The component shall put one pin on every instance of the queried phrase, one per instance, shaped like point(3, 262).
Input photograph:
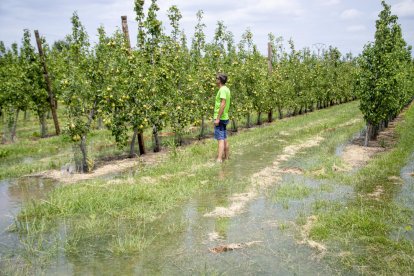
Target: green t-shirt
point(223, 93)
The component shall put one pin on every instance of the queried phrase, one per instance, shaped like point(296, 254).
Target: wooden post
point(269, 57)
point(269, 62)
point(52, 100)
point(125, 30)
point(128, 42)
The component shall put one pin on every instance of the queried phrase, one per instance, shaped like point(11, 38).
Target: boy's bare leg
point(226, 149)
point(220, 151)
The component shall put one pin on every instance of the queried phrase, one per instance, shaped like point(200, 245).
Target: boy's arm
point(221, 110)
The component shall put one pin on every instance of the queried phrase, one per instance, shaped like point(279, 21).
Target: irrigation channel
point(246, 222)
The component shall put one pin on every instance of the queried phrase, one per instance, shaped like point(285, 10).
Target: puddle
point(407, 190)
point(339, 151)
point(267, 227)
point(13, 193)
point(406, 199)
point(28, 160)
point(265, 238)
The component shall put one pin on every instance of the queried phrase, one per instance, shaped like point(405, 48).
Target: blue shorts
point(220, 131)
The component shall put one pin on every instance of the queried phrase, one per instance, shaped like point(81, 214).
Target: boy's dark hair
point(222, 78)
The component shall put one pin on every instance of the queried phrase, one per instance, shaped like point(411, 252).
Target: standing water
point(267, 235)
point(406, 198)
point(14, 193)
point(268, 231)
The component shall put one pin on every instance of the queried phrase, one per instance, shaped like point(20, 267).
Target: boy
point(221, 117)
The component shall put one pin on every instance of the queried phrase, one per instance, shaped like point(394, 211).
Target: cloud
point(356, 28)
point(291, 7)
point(284, 7)
point(259, 11)
point(351, 14)
point(329, 2)
point(404, 9)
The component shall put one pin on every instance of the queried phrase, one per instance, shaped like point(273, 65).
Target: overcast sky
point(346, 24)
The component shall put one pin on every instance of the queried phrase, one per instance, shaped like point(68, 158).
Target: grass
point(363, 227)
point(291, 191)
point(288, 191)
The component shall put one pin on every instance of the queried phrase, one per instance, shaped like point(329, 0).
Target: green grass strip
point(361, 231)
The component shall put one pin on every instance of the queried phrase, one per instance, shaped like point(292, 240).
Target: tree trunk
point(125, 30)
point(367, 134)
point(259, 118)
point(371, 133)
point(248, 125)
point(157, 147)
point(43, 124)
point(270, 116)
point(132, 146)
point(13, 130)
point(141, 144)
point(279, 109)
point(5, 129)
point(234, 125)
point(202, 128)
point(295, 112)
point(84, 166)
point(178, 139)
point(375, 130)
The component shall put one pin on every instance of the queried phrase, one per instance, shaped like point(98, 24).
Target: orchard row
point(162, 82)
point(386, 79)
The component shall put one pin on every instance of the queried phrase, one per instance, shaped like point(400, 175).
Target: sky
point(346, 24)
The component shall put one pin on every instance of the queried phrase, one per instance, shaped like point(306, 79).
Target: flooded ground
point(13, 193)
point(266, 236)
point(269, 223)
point(406, 198)
point(268, 230)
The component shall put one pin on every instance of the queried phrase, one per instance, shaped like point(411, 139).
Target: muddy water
point(339, 151)
point(406, 199)
point(407, 191)
point(271, 224)
point(184, 236)
point(13, 193)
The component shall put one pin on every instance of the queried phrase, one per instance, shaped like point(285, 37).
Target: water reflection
point(14, 193)
point(406, 198)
